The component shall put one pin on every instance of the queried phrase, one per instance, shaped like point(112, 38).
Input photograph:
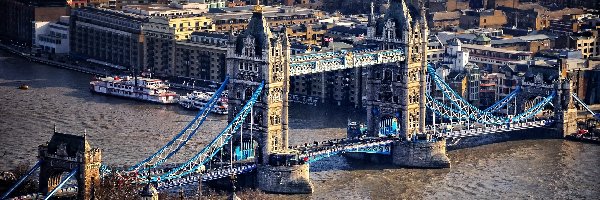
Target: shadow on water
point(322, 116)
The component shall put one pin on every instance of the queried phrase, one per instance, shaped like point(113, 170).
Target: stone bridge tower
point(257, 55)
point(64, 153)
point(399, 90)
point(565, 112)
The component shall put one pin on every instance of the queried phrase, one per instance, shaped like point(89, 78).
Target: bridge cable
point(213, 147)
point(196, 122)
point(62, 183)
point(20, 181)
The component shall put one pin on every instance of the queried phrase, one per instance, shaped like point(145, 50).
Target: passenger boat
point(197, 100)
point(146, 89)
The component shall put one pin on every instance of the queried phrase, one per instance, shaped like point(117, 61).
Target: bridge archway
point(530, 95)
point(388, 126)
point(64, 153)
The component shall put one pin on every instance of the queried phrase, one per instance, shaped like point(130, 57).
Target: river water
point(128, 130)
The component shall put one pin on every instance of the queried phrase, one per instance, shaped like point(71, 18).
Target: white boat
point(146, 89)
point(197, 100)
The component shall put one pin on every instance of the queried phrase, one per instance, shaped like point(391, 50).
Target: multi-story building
point(454, 5)
point(53, 37)
point(491, 59)
point(587, 42)
point(108, 37)
point(161, 35)
point(209, 3)
point(19, 18)
point(461, 75)
point(445, 20)
point(236, 18)
point(482, 19)
point(311, 34)
point(533, 43)
point(162, 10)
point(493, 87)
point(202, 56)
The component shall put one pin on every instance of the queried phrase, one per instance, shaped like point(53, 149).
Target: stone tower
point(254, 56)
point(398, 91)
point(565, 112)
point(64, 153)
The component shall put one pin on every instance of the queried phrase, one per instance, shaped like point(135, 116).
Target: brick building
point(19, 18)
point(236, 18)
point(482, 19)
point(202, 57)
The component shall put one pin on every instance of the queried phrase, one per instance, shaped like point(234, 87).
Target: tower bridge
point(256, 137)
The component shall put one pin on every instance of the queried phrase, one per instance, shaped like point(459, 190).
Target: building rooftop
point(500, 50)
point(211, 34)
point(245, 12)
point(349, 30)
point(526, 38)
point(446, 15)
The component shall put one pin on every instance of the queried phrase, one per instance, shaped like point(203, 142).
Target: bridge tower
point(257, 55)
point(565, 112)
point(63, 154)
point(399, 90)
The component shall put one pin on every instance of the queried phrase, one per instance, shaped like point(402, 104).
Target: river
point(129, 130)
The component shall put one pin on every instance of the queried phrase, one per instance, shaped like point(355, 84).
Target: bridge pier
point(290, 179)
point(420, 154)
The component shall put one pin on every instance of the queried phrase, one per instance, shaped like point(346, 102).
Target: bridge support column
point(566, 123)
point(293, 179)
point(420, 154)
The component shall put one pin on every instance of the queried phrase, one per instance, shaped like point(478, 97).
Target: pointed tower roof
point(257, 28)
point(398, 13)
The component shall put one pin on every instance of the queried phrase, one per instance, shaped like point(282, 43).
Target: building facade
point(202, 57)
point(108, 37)
point(161, 34)
point(53, 38)
point(236, 18)
point(482, 19)
point(19, 18)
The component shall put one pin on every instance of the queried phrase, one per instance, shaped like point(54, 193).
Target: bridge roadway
point(311, 152)
point(495, 129)
point(308, 153)
point(335, 60)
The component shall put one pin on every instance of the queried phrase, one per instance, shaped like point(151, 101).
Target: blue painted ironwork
point(379, 146)
point(189, 131)
point(329, 61)
point(20, 181)
point(62, 183)
point(478, 115)
point(596, 115)
point(244, 152)
point(504, 101)
point(196, 163)
point(209, 175)
point(443, 110)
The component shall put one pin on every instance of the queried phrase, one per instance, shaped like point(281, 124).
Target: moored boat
point(197, 100)
point(146, 89)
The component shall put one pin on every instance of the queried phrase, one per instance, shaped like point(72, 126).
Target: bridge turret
point(257, 55)
point(565, 113)
point(397, 91)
